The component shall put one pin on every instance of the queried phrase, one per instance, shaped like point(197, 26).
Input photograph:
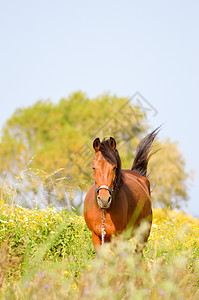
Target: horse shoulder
point(89, 206)
point(89, 197)
point(92, 213)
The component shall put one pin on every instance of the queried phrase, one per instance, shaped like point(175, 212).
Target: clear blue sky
point(49, 49)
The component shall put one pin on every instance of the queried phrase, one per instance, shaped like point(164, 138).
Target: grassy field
point(49, 254)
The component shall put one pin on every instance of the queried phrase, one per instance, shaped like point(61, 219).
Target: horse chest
point(113, 220)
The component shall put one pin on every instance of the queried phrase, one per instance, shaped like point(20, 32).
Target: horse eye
point(93, 168)
point(114, 168)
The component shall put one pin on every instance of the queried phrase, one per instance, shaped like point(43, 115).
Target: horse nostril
point(109, 199)
point(98, 197)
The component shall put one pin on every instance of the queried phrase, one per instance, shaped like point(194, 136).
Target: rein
point(103, 226)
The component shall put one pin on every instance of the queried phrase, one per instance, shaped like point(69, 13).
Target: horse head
point(105, 167)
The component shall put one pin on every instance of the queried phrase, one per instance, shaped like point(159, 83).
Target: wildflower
point(27, 285)
point(89, 267)
point(46, 286)
point(41, 274)
point(65, 273)
point(112, 252)
point(161, 292)
point(2, 221)
point(86, 292)
point(74, 286)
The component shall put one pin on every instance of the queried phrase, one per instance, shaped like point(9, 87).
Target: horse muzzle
point(104, 202)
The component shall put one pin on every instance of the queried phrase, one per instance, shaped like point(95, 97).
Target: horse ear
point(112, 143)
point(96, 144)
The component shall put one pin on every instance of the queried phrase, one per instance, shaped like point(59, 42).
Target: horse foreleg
point(139, 248)
point(96, 241)
point(142, 238)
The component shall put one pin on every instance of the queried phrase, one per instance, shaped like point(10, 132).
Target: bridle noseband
point(103, 186)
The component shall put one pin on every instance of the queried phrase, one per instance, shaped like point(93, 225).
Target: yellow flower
point(89, 267)
point(65, 273)
point(74, 286)
point(109, 250)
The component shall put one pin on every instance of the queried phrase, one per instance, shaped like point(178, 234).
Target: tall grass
point(49, 254)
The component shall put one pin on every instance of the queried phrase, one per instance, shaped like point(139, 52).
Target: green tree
point(169, 179)
point(49, 148)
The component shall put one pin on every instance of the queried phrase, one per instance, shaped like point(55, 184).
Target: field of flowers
point(48, 253)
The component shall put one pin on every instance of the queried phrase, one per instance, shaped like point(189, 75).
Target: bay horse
point(119, 199)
